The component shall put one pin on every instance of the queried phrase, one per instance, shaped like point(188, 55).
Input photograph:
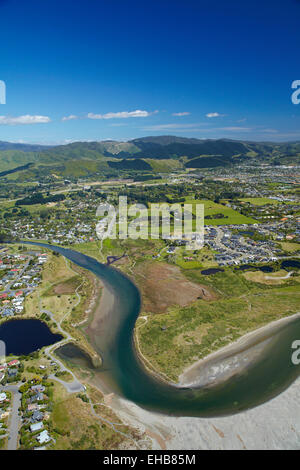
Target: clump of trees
point(39, 198)
point(5, 237)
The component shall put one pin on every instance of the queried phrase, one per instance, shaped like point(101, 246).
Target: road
point(19, 275)
point(14, 419)
point(234, 251)
point(8, 287)
point(282, 277)
point(71, 387)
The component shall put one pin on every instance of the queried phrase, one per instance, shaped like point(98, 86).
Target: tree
point(4, 237)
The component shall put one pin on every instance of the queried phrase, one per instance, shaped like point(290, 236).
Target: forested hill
point(143, 153)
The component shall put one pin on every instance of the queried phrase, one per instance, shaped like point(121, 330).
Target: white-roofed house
point(36, 426)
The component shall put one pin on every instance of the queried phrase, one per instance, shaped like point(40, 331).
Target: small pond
point(22, 337)
point(208, 272)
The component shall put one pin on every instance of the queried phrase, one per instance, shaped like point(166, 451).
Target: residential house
point(36, 416)
point(36, 426)
point(44, 437)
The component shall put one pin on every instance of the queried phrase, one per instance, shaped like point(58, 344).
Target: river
point(267, 374)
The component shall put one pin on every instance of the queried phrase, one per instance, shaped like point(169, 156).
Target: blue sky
point(116, 69)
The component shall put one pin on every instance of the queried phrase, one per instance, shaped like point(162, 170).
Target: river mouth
point(22, 337)
point(265, 374)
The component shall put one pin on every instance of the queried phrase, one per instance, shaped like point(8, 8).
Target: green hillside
point(161, 154)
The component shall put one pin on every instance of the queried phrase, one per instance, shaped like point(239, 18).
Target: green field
point(201, 259)
point(230, 215)
point(262, 201)
point(164, 166)
point(175, 340)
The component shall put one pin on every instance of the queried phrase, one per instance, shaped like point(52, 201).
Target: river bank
point(112, 335)
point(217, 366)
point(273, 425)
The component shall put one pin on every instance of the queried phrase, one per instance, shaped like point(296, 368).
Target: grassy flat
point(174, 340)
point(230, 215)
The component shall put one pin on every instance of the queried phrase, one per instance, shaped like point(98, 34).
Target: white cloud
point(269, 131)
point(27, 119)
point(213, 115)
point(69, 118)
point(288, 135)
point(122, 115)
point(166, 127)
point(185, 113)
point(195, 127)
point(235, 129)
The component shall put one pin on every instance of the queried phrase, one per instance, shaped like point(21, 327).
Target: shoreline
point(240, 431)
point(154, 421)
point(252, 340)
point(251, 343)
point(273, 425)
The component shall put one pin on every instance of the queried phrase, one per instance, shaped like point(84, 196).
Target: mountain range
point(158, 154)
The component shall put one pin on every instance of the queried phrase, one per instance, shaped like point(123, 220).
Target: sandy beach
point(273, 425)
point(229, 360)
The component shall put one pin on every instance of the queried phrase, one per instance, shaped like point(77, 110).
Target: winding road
point(14, 419)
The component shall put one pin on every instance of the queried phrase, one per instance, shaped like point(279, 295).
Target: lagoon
point(22, 337)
